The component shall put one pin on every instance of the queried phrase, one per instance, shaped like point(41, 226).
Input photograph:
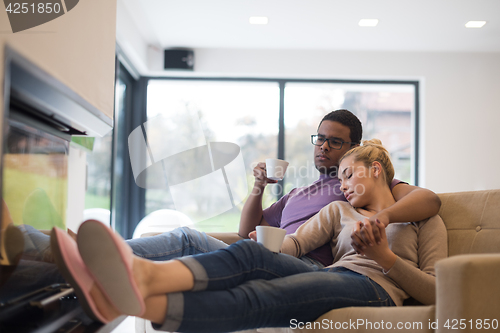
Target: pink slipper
point(109, 259)
point(73, 269)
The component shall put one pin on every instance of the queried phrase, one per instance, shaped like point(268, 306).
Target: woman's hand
point(380, 252)
point(253, 235)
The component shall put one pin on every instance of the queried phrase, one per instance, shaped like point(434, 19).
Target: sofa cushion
point(472, 220)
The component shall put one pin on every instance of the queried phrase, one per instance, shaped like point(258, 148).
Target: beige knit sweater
point(418, 245)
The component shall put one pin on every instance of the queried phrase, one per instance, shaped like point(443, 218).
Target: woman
point(246, 286)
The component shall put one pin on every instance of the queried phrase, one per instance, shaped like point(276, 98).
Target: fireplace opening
point(40, 117)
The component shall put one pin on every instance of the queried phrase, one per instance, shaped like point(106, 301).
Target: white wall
point(460, 100)
point(130, 37)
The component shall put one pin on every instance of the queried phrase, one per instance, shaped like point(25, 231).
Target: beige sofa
point(468, 282)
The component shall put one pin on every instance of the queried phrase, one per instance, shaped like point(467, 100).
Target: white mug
point(271, 237)
point(275, 168)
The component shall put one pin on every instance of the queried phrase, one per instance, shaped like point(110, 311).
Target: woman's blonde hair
point(371, 151)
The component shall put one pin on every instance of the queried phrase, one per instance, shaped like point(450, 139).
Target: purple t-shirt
point(302, 203)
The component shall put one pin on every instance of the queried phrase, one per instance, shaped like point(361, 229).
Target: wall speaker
point(179, 59)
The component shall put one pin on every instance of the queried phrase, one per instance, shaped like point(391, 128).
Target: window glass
point(98, 194)
point(385, 110)
point(188, 120)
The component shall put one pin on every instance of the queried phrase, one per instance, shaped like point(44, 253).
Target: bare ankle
point(142, 271)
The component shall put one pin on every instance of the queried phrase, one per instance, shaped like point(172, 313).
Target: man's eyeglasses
point(332, 143)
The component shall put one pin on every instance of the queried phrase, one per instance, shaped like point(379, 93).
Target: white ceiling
point(404, 25)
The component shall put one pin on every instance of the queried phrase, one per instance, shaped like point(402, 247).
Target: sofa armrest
point(226, 237)
point(467, 289)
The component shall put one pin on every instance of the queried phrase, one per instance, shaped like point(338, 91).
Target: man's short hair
point(349, 119)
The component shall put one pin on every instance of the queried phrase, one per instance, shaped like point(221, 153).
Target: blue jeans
point(173, 244)
point(182, 242)
point(247, 286)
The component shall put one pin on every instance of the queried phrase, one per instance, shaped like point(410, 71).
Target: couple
point(245, 285)
point(338, 132)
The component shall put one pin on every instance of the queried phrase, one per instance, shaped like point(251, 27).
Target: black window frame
point(127, 203)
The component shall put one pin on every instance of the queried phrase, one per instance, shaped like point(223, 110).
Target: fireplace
point(40, 118)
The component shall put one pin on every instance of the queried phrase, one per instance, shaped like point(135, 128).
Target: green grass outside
point(227, 222)
point(97, 201)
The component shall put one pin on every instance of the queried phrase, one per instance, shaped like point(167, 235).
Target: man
point(338, 132)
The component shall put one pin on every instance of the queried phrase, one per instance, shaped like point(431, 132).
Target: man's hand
point(259, 172)
point(252, 213)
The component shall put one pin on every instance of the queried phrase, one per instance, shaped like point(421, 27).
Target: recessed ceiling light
point(368, 22)
point(475, 24)
point(258, 20)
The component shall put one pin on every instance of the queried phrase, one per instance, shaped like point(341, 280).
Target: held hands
point(370, 233)
point(378, 251)
point(259, 173)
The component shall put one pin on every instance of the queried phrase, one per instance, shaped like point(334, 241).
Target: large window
point(267, 118)
point(198, 113)
point(385, 110)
